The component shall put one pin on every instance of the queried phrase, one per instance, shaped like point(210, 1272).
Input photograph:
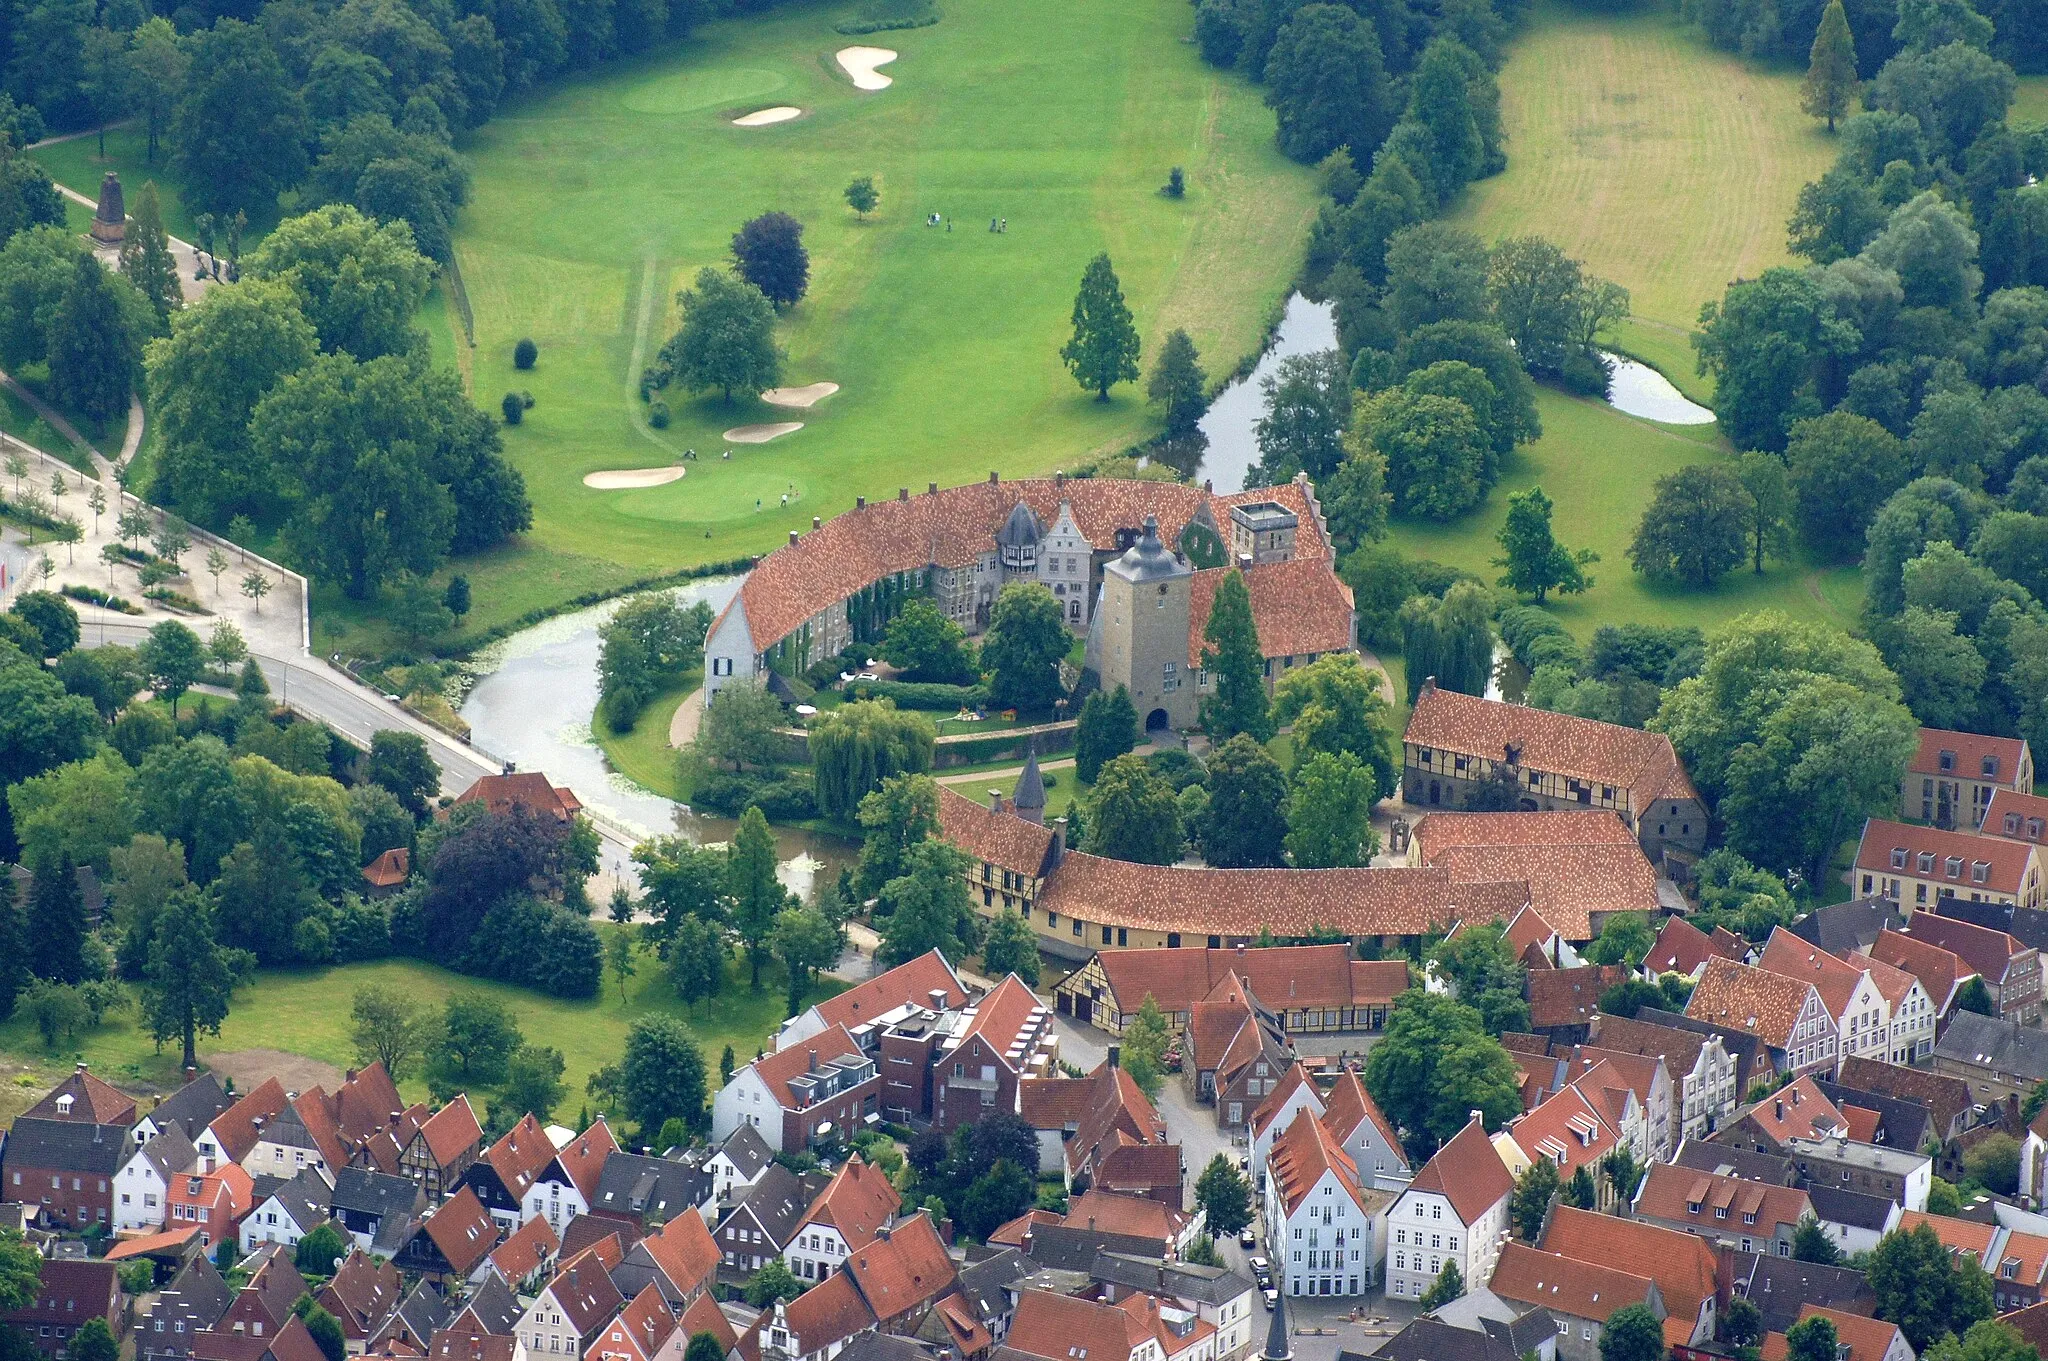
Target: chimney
point(1476, 1118)
point(1244, 562)
point(1778, 1109)
point(811, 1061)
point(995, 800)
point(1240, 949)
point(1059, 842)
point(931, 489)
point(191, 1073)
point(817, 523)
point(860, 503)
point(1209, 485)
point(81, 1068)
point(1059, 477)
point(792, 538)
point(938, 999)
point(903, 493)
point(1116, 1053)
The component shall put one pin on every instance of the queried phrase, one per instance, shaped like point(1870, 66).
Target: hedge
point(1536, 638)
point(920, 694)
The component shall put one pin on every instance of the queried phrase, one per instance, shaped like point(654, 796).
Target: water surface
point(1233, 418)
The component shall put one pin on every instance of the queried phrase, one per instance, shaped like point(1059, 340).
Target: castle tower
point(1144, 642)
point(1029, 800)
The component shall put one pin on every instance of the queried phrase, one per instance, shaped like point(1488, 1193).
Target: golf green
point(597, 201)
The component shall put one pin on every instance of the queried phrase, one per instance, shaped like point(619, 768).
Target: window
point(1989, 765)
point(1948, 760)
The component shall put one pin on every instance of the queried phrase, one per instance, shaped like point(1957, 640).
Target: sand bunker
point(761, 118)
point(621, 479)
point(860, 63)
point(807, 396)
point(761, 434)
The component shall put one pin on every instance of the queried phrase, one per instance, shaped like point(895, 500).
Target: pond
point(1638, 390)
point(530, 702)
point(1233, 418)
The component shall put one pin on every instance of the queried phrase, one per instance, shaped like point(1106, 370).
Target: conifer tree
point(757, 895)
point(1177, 384)
point(146, 258)
point(1831, 69)
point(56, 922)
point(94, 353)
point(1104, 350)
point(191, 976)
point(1108, 728)
point(1232, 658)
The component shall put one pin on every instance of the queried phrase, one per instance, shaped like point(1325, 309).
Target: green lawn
point(2031, 104)
point(76, 164)
point(1598, 466)
point(595, 203)
point(644, 755)
point(306, 1011)
point(1665, 165)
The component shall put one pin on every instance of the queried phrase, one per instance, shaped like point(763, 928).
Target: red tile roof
point(1681, 947)
point(1014, 1233)
point(1302, 1156)
point(1568, 1128)
point(583, 1289)
point(362, 1293)
point(1681, 1264)
point(471, 1343)
point(1834, 979)
point(1940, 971)
point(1868, 1339)
point(909, 983)
point(1581, 1289)
point(906, 1269)
point(778, 1068)
point(93, 1101)
point(1564, 997)
point(236, 1127)
point(1567, 884)
point(828, 1312)
point(1003, 839)
point(582, 1159)
point(1969, 750)
point(684, 1252)
point(462, 1229)
point(1468, 1172)
point(528, 1250)
point(521, 1154)
point(857, 1202)
point(1797, 1111)
point(1134, 1216)
point(1603, 753)
point(1282, 977)
point(527, 789)
point(1989, 953)
point(1957, 1235)
point(1348, 1103)
point(704, 1316)
point(452, 1131)
point(1958, 857)
point(1893, 984)
point(1003, 1016)
point(1749, 999)
point(1063, 1328)
point(2028, 814)
point(642, 1326)
point(1299, 608)
point(390, 869)
point(1567, 827)
point(1670, 1192)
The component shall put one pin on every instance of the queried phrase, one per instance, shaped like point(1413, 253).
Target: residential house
point(191, 1109)
point(1578, 1126)
point(857, 1205)
point(1219, 1296)
point(141, 1187)
point(288, 1212)
point(1684, 949)
point(642, 1191)
point(1563, 1002)
point(1102, 1131)
point(231, 1135)
point(1747, 1215)
point(815, 1088)
point(1579, 1297)
point(1683, 1265)
point(1699, 1066)
point(761, 1222)
point(1647, 1078)
point(362, 1293)
point(1953, 775)
point(1840, 928)
point(264, 1303)
point(1797, 1110)
point(1857, 1338)
point(82, 1099)
point(566, 1186)
point(679, 1261)
point(1875, 1118)
point(636, 1332)
point(1356, 1122)
point(1296, 1093)
point(379, 1211)
point(2027, 925)
point(1854, 1221)
point(1165, 1230)
point(991, 1285)
point(527, 791)
point(2011, 971)
point(192, 1303)
point(1234, 1052)
point(1901, 1174)
point(411, 1327)
point(492, 1308)
point(526, 1257)
point(1581, 867)
point(1006, 1037)
point(1786, 1014)
point(1857, 1007)
point(387, 874)
point(68, 1292)
point(1484, 1338)
point(1910, 1035)
point(1058, 1327)
point(444, 1147)
point(1996, 1057)
point(1941, 973)
point(1780, 1287)
point(453, 1243)
point(505, 1173)
point(1456, 1208)
point(292, 1341)
point(903, 1273)
point(737, 1163)
point(2017, 817)
point(927, 981)
point(1328, 1229)
point(215, 1201)
point(566, 1317)
point(299, 1137)
point(1918, 866)
point(1558, 761)
point(63, 1153)
point(815, 1326)
point(1313, 989)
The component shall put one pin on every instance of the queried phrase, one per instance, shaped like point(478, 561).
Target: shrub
point(1536, 638)
point(513, 407)
point(524, 353)
point(730, 794)
point(177, 600)
point(526, 399)
point(657, 415)
point(919, 695)
point(1176, 183)
point(92, 595)
point(1585, 374)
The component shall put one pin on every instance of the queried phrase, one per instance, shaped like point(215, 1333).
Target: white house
point(1456, 1209)
point(847, 1216)
point(141, 1186)
point(738, 1163)
point(288, 1213)
point(1296, 1093)
point(285, 1147)
point(1912, 1010)
point(1327, 1232)
point(564, 1187)
point(802, 1092)
point(1366, 1135)
point(565, 1317)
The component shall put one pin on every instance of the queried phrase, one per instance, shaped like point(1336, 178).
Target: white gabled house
point(566, 1185)
point(1365, 1134)
point(738, 1163)
point(1296, 1093)
point(142, 1186)
point(1456, 1208)
point(1328, 1233)
point(288, 1213)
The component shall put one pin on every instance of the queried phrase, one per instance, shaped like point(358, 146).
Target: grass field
point(306, 1011)
point(1598, 466)
point(644, 755)
point(77, 165)
point(2030, 105)
point(1665, 165)
point(595, 203)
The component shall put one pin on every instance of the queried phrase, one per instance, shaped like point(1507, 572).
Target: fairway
point(1665, 165)
point(1598, 466)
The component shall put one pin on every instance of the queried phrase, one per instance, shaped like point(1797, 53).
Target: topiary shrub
point(514, 407)
point(524, 353)
point(1176, 183)
point(526, 399)
point(657, 415)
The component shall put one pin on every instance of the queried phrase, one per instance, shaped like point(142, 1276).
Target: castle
point(1134, 566)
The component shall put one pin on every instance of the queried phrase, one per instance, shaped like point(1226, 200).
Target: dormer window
point(1924, 862)
point(1948, 760)
point(64, 1104)
point(1980, 871)
point(1953, 866)
point(2012, 824)
point(1990, 767)
point(1898, 857)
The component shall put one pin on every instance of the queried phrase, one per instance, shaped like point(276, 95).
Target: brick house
point(2011, 971)
point(1953, 775)
point(1787, 1014)
point(1234, 1053)
point(815, 1089)
point(68, 1292)
point(1006, 1037)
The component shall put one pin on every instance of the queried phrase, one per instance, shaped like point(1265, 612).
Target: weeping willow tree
point(1450, 639)
point(857, 746)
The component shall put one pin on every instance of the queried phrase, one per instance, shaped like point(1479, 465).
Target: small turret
point(1029, 801)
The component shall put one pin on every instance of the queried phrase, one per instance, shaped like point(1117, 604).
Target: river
point(1233, 418)
point(531, 701)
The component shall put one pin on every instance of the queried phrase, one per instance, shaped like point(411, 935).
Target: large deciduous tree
point(1329, 810)
point(1308, 406)
point(239, 131)
point(1435, 1065)
point(1104, 349)
point(359, 281)
point(1022, 649)
point(768, 251)
point(1537, 563)
point(927, 907)
point(1696, 527)
point(727, 340)
point(1326, 79)
point(1245, 822)
point(1843, 467)
point(1132, 814)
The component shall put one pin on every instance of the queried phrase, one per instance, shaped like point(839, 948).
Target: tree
point(56, 623)
point(20, 1270)
point(533, 1081)
point(996, 1197)
point(806, 941)
point(1449, 640)
point(1179, 386)
point(927, 646)
point(1742, 1323)
point(1237, 703)
point(861, 195)
point(1764, 344)
point(1487, 975)
point(1537, 563)
point(1104, 349)
point(1831, 86)
point(1448, 1285)
point(771, 1283)
point(1974, 996)
point(146, 259)
point(662, 1074)
point(57, 927)
point(927, 907)
point(1326, 80)
point(319, 1251)
point(1329, 810)
point(1108, 728)
point(1535, 290)
point(1011, 947)
point(190, 980)
point(697, 959)
point(359, 280)
point(768, 252)
point(400, 762)
point(95, 344)
point(1810, 1339)
point(239, 129)
point(477, 1037)
point(1770, 505)
point(857, 746)
point(1244, 824)
point(1994, 1164)
point(156, 62)
point(757, 895)
point(1435, 1065)
point(896, 817)
point(94, 1340)
point(727, 340)
point(1132, 814)
point(1530, 1204)
point(1336, 705)
point(739, 727)
point(456, 596)
point(1920, 1287)
point(1843, 468)
point(388, 1027)
point(1987, 1340)
point(1022, 649)
point(1224, 1196)
point(1812, 1244)
point(1632, 1333)
point(1144, 1044)
point(618, 959)
point(1308, 406)
point(1436, 454)
point(1695, 528)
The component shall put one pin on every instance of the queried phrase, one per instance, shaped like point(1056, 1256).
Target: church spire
point(1279, 1342)
point(1029, 800)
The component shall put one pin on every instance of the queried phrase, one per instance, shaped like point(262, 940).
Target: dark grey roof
point(286, 1130)
point(305, 1198)
point(1779, 1286)
point(423, 1311)
point(1279, 1339)
point(1900, 1124)
point(1069, 1248)
point(171, 1153)
point(1522, 1334)
point(66, 1145)
point(1979, 1041)
point(1431, 1339)
point(635, 1184)
point(1849, 926)
point(887, 1347)
point(373, 1193)
point(1020, 529)
point(1148, 559)
point(1853, 1208)
point(193, 1106)
point(1746, 1049)
point(1031, 784)
point(2027, 925)
point(197, 1295)
point(1183, 1280)
point(748, 1151)
point(1705, 1156)
point(90, 892)
point(776, 1202)
point(495, 1306)
point(990, 1283)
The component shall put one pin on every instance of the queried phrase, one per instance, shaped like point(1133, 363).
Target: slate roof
point(1428, 1339)
point(1072, 1247)
point(170, 1152)
point(1213, 1285)
point(2027, 925)
point(1901, 1121)
point(1746, 1049)
point(196, 1295)
point(66, 1145)
point(493, 1307)
point(1849, 926)
point(1853, 1208)
point(374, 1193)
point(641, 1186)
point(748, 1152)
point(418, 1316)
point(193, 1106)
point(1987, 1042)
point(585, 1293)
point(1645, 763)
point(305, 1198)
point(776, 1203)
point(1780, 1286)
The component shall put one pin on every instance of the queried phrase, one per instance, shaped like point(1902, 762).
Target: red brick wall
point(90, 1202)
